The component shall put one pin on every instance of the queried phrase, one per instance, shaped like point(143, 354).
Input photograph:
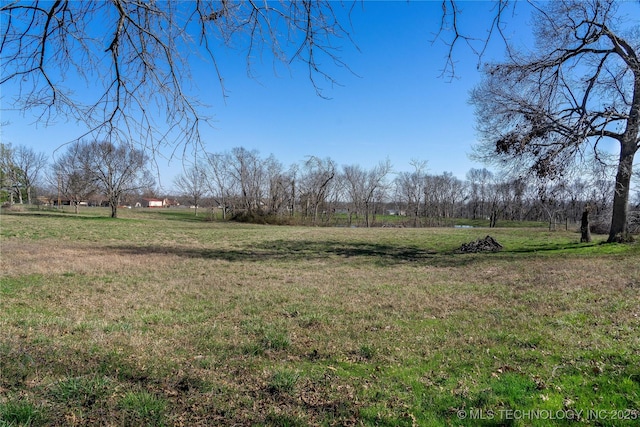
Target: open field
point(161, 319)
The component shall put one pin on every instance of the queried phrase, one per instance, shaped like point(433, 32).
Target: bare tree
point(247, 169)
point(550, 195)
point(193, 184)
point(21, 169)
point(220, 180)
point(502, 196)
point(318, 175)
point(72, 179)
point(375, 188)
point(580, 86)
point(279, 187)
point(9, 173)
point(354, 177)
point(449, 192)
point(576, 194)
point(114, 170)
point(32, 164)
point(292, 173)
point(364, 187)
point(410, 188)
point(479, 181)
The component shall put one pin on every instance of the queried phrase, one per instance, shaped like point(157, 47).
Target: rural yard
point(160, 318)
point(320, 213)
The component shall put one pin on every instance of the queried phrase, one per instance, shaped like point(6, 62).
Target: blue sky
point(396, 105)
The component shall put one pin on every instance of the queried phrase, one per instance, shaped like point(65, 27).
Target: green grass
point(19, 413)
point(283, 381)
point(161, 319)
point(143, 408)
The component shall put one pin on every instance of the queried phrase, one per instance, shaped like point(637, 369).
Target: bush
point(634, 222)
point(600, 224)
point(257, 217)
point(261, 217)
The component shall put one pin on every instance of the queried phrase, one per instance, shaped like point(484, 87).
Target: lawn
point(158, 319)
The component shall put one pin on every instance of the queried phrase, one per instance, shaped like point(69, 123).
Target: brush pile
point(488, 244)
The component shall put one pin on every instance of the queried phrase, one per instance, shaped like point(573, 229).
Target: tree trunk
point(585, 232)
point(628, 148)
point(315, 213)
point(114, 210)
point(366, 215)
point(618, 231)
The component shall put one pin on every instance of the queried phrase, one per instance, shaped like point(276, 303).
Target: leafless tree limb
point(134, 59)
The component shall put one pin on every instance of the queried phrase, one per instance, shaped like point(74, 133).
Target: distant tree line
point(242, 184)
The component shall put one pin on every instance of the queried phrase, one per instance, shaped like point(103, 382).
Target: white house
point(150, 203)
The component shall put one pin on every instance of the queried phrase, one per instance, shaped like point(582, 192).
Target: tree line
point(317, 191)
point(245, 185)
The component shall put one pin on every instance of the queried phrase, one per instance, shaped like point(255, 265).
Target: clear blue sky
point(397, 106)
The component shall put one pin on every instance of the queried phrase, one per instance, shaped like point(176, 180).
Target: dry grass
point(154, 321)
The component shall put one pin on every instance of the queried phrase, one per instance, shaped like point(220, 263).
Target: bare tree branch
point(137, 56)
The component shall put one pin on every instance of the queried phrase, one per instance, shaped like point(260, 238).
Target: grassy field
point(158, 318)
